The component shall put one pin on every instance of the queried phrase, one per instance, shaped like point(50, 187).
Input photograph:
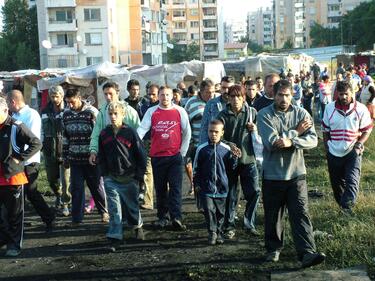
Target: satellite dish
point(84, 51)
point(170, 46)
point(79, 38)
point(47, 44)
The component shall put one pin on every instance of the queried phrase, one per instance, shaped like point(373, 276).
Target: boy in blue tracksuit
point(211, 161)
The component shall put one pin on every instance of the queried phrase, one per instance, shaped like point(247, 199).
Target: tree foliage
point(355, 28)
point(182, 52)
point(19, 38)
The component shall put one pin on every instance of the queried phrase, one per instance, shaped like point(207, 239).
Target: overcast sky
point(238, 9)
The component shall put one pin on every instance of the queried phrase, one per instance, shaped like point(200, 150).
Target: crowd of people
point(222, 135)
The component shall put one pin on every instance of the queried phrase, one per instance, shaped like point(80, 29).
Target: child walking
point(211, 161)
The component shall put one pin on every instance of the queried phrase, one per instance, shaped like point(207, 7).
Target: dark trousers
point(34, 196)
point(345, 173)
point(308, 105)
point(167, 172)
point(11, 217)
point(78, 175)
point(277, 196)
point(250, 187)
point(214, 210)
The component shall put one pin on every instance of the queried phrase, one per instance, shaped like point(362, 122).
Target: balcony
point(64, 61)
point(61, 3)
point(146, 47)
point(209, 3)
point(334, 2)
point(332, 14)
point(180, 30)
point(178, 5)
point(209, 16)
point(62, 50)
point(211, 53)
point(210, 41)
point(57, 26)
point(210, 28)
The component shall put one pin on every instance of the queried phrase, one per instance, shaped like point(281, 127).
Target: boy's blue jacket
point(210, 165)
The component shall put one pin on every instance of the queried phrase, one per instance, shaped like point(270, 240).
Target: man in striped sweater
point(346, 127)
point(78, 122)
point(195, 108)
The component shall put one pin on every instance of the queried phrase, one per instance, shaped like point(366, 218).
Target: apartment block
point(199, 21)
point(260, 26)
point(293, 18)
point(85, 32)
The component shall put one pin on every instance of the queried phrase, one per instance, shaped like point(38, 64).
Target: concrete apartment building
point(260, 26)
point(85, 32)
point(199, 21)
point(293, 18)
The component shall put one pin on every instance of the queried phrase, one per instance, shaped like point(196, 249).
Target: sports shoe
point(311, 259)
point(177, 225)
point(12, 253)
point(230, 234)
point(161, 223)
point(220, 239)
point(273, 256)
point(65, 211)
point(212, 237)
point(105, 217)
point(139, 234)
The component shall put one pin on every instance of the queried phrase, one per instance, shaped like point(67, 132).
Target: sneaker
point(146, 207)
point(177, 225)
point(311, 259)
point(273, 256)
point(65, 211)
point(220, 239)
point(105, 217)
point(88, 210)
point(139, 234)
point(161, 223)
point(212, 237)
point(141, 198)
point(12, 253)
point(230, 234)
point(253, 232)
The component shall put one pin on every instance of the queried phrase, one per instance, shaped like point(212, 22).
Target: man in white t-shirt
point(346, 127)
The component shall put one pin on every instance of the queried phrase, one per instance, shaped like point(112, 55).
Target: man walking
point(79, 122)
point(14, 137)
point(170, 137)
point(346, 127)
point(30, 117)
point(267, 98)
point(238, 119)
point(286, 130)
point(52, 134)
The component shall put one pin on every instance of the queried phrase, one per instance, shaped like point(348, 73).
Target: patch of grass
point(353, 238)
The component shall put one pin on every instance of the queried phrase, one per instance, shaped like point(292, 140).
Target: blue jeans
point(344, 173)
point(78, 175)
point(250, 187)
point(122, 201)
point(167, 172)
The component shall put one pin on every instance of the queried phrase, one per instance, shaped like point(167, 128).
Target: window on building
point(193, 1)
point(92, 14)
point(209, 11)
point(178, 13)
point(65, 39)
point(179, 36)
point(179, 25)
point(210, 47)
point(194, 24)
point(178, 2)
point(93, 38)
point(210, 23)
point(194, 36)
point(64, 16)
point(93, 60)
point(61, 62)
point(209, 35)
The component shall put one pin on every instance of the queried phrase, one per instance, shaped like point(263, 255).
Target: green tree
point(323, 36)
point(19, 36)
point(288, 44)
point(182, 52)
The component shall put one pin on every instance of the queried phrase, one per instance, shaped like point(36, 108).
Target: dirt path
point(82, 253)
